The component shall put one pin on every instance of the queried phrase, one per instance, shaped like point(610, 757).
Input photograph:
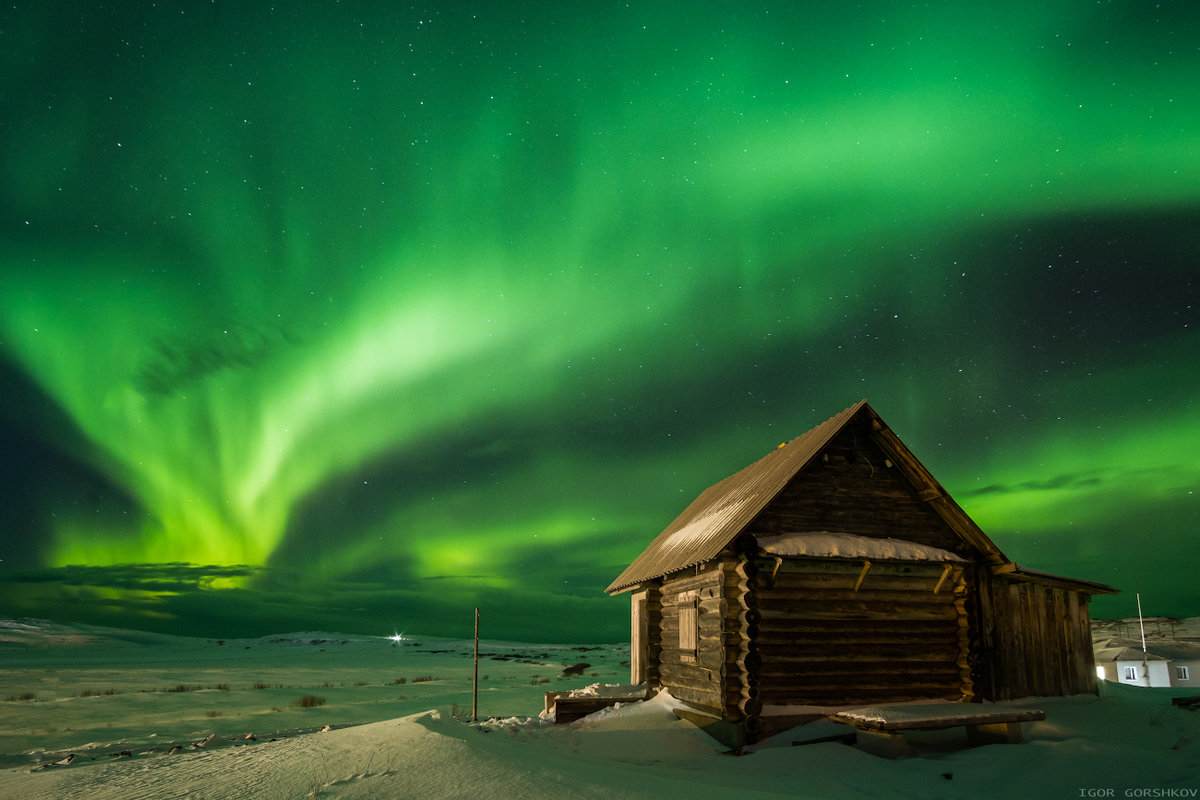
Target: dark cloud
point(1090, 480)
point(175, 362)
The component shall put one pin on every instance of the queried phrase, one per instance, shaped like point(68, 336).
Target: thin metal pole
point(1142, 625)
point(475, 679)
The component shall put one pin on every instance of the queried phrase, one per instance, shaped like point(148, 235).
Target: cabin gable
point(853, 486)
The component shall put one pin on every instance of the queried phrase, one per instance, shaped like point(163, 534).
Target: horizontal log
point(707, 647)
point(750, 616)
point(842, 671)
point(869, 593)
point(704, 700)
point(678, 660)
point(930, 687)
point(860, 695)
point(690, 674)
point(735, 640)
point(851, 566)
point(902, 608)
point(780, 639)
point(709, 627)
point(847, 611)
point(862, 509)
point(749, 662)
point(688, 579)
point(712, 694)
point(869, 627)
point(711, 606)
point(750, 706)
point(851, 655)
point(806, 581)
point(816, 648)
point(913, 685)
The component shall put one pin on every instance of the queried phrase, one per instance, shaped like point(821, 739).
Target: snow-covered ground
point(398, 716)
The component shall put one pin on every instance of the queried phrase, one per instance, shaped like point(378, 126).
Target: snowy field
point(354, 716)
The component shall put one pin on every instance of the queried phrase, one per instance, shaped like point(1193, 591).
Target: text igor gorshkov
point(1143, 792)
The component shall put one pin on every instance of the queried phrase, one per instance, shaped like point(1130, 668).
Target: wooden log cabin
point(837, 571)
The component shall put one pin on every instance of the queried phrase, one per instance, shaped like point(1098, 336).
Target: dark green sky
point(360, 315)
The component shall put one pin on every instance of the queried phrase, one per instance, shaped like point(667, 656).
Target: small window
point(1131, 673)
point(1181, 674)
point(687, 626)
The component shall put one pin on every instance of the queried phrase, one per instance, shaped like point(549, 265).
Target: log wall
point(696, 677)
point(820, 642)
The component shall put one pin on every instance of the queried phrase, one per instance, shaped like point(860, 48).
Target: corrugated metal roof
point(720, 512)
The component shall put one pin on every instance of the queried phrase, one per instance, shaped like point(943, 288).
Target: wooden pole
point(475, 678)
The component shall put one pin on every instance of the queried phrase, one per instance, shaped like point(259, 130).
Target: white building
point(1135, 668)
point(1167, 663)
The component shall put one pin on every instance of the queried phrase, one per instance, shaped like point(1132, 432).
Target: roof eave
point(1017, 572)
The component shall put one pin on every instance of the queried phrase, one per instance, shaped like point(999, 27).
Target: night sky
point(357, 316)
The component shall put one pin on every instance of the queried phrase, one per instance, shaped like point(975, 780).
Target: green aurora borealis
point(356, 316)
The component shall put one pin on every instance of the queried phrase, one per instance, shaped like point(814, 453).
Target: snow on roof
point(825, 544)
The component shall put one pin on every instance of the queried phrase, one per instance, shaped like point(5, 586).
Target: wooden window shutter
point(688, 623)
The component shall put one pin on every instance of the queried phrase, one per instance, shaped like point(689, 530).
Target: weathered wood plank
point(786, 641)
point(704, 699)
point(842, 672)
point(855, 611)
point(784, 659)
point(880, 627)
point(859, 695)
point(877, 581)
point(802, 567)
point(934, 717)
point(869, 593)
point(686, 583)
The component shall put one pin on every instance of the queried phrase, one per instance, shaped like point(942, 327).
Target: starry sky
point(355, 316)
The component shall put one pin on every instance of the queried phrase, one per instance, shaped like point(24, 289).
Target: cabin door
point(638, 639)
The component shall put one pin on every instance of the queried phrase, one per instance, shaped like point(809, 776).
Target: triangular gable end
point(752, 499)
point(860, 485)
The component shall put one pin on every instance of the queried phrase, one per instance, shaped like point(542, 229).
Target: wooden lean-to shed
point(837, 571)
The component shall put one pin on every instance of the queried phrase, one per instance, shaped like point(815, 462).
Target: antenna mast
point(1142, 626)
